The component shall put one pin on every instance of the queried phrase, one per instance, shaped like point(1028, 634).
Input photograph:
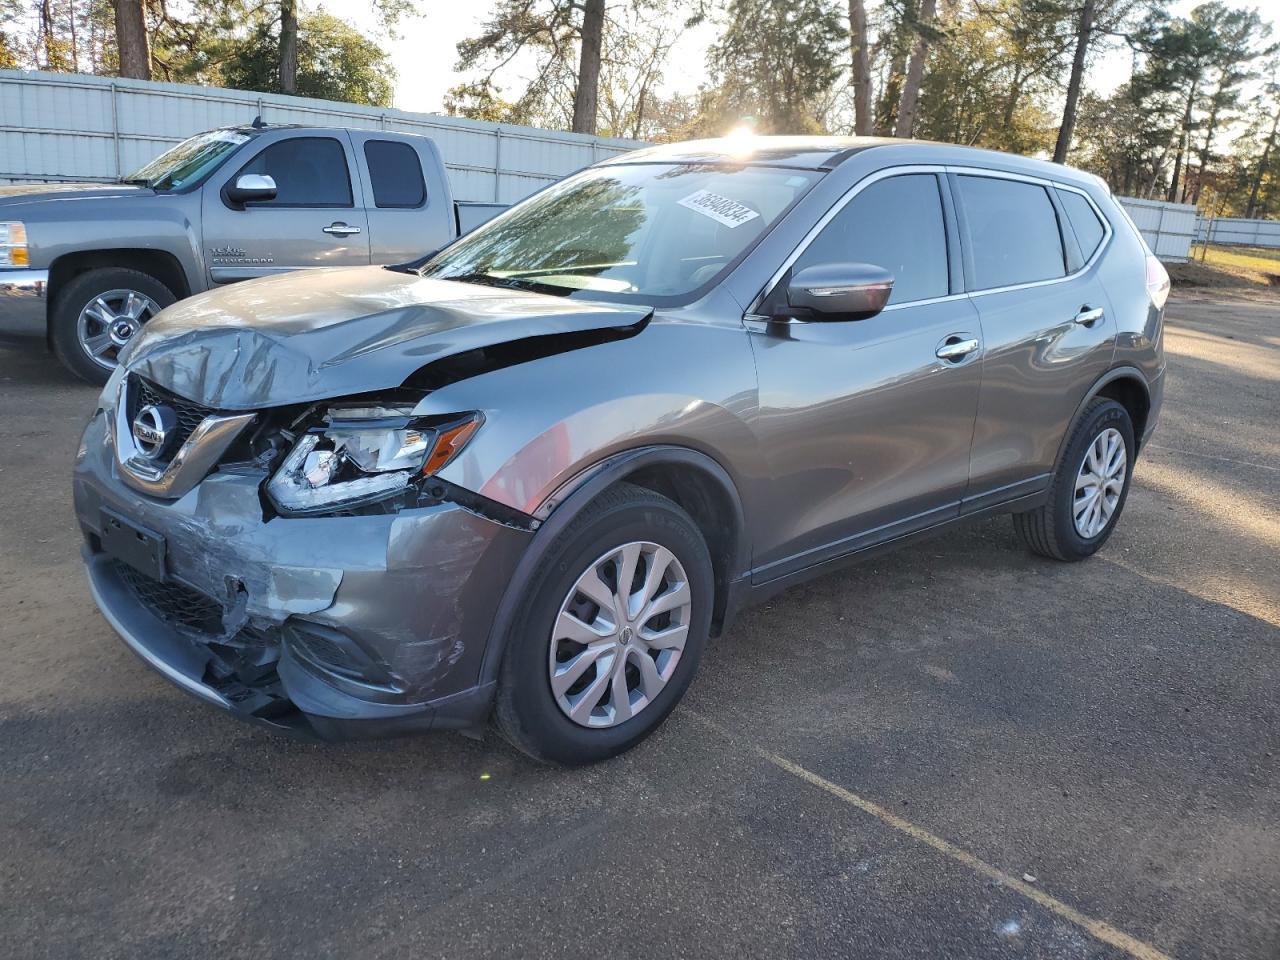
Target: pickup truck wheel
point(1088, 489)
point(98, 312)
point(610, 630)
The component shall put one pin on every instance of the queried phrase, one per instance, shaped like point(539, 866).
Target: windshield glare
point(645, 232)
point(190, 161)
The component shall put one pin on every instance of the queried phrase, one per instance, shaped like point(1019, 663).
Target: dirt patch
point(1199, 280)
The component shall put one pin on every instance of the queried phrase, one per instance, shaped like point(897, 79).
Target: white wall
point(1237, 230)
point(1168, 228)
point(57, 126)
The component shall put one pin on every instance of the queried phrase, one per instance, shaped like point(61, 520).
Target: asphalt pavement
point(958, 750)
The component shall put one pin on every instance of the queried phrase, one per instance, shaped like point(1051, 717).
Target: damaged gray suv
point(525, 478)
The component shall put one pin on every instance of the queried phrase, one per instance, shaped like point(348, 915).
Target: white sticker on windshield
point(729, 212)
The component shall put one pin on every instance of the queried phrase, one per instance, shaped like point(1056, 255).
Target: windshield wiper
point(136, 181)
point(511, 283)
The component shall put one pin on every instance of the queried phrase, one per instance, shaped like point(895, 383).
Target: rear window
point(396, 174)
point(1013, 232)
point(1084, 222)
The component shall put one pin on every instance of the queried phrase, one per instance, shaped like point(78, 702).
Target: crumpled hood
point(14, 193)
point(315, 334)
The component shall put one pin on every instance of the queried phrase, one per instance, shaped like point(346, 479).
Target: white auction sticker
point(729, 212)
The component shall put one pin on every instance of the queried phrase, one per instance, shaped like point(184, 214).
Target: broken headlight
point(361, 454)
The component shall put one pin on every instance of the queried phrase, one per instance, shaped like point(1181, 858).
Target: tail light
point(1157, 281)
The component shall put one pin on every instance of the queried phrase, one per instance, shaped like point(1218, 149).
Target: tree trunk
point(585, 97)
point(288, 46)
point(1183, 133)
point(1252, 207)
point(1015, 94)
point(915, 73)
point(862, 117)
point(1207, 149)
point(1084, 34)
point(132, 42)
point(891, 91)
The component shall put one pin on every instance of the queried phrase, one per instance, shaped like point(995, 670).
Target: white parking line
point(1098, 929)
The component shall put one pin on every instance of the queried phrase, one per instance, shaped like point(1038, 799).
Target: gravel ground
point(958, 750)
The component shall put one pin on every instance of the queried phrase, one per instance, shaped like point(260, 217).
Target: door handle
point(956, 348)
point(1088, 316)
point(340, 229)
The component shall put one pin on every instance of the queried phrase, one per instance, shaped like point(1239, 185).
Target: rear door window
point(1013, 232)
point(1084, 222)
point(396, 174)
point(308, 171)
point(895, 223)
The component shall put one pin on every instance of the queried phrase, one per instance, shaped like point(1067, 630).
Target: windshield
point(189, 162)
point(652, 233)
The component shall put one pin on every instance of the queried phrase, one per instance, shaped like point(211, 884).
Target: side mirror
point(839, 291)
point(250, 187)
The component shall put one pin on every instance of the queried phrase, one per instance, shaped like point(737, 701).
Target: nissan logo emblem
point(152, 427)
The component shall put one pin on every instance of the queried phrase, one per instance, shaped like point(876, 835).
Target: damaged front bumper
point(336, 627)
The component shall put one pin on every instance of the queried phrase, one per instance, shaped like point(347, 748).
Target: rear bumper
point(330, 627)
point(23, 299)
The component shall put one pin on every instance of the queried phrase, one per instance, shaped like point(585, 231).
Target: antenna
point(258, 122)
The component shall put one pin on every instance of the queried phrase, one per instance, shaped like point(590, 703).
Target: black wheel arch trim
point(564, 505)
point(1125, 372)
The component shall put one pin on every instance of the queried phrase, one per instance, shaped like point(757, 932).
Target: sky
point(425, 52)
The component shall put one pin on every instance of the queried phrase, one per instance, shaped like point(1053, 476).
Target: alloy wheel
point(1099, 483)
point(109, 321)
point(619, 634)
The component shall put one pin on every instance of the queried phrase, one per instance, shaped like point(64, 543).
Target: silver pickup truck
point(89, 264)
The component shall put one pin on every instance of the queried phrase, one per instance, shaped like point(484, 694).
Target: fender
point(568, 501)
point(1115, 373)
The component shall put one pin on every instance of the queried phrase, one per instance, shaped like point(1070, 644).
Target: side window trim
point(936, 170)
point(956, 268)
point(1072, 257)
point(346, 160)
point(1108, 230)
point(947, 173)
point(1050, 185)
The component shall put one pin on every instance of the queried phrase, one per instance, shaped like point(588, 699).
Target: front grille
point(143, 393)
point(172, 602)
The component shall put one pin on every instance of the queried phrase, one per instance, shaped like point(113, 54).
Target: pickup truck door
point(867, 424)
point(317, 219)
point(407, 195)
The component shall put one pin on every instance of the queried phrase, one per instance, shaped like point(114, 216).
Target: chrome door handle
point(340, 229)
point(1088, 316)
point(956, 349)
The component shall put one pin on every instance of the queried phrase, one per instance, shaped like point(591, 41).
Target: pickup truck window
point(187, 164)
point(648, 233)
point(396, 174)
point(308, 171)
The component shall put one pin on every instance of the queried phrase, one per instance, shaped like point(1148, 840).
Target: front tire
point(609, 631)
point(97, 313)
point(1088, 489)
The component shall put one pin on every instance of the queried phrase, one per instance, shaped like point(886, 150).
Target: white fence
point(1168, 228)
point(1238, 231)
point(56, 126)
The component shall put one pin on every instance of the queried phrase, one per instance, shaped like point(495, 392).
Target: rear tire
point(1079, 515)
point(87, 337)
point(582, 680)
